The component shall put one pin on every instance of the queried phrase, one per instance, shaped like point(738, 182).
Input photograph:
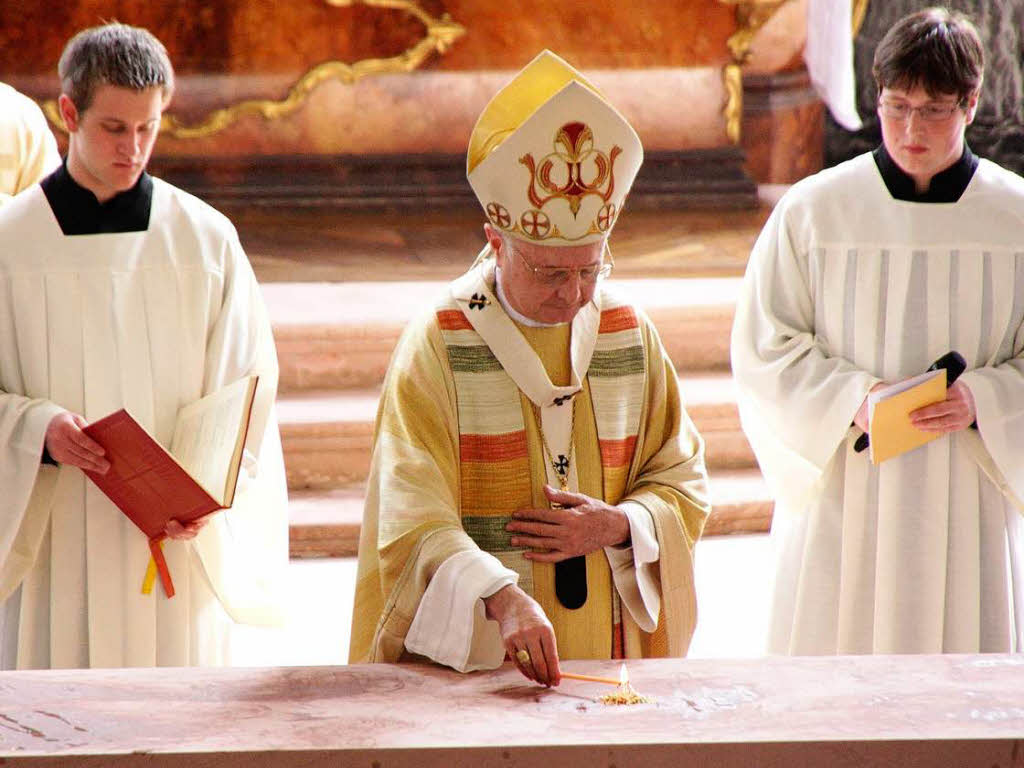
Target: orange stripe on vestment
point(511, 445)
point(616, 453)
point(453, 320)
point(618, 319)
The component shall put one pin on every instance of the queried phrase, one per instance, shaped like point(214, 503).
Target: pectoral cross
point(561, 467)
point(478, 301)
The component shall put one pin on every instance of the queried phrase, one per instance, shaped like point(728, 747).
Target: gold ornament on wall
point(751, 15)
point(733, 77)
point(860, 9)
point(440, 34)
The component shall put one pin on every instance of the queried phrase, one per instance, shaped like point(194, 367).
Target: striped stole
point(493, 450)
point(618, 378)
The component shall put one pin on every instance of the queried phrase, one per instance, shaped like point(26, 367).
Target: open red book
point(197, 476)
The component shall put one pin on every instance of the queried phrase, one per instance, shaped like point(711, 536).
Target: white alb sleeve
point(450, 625)
point(635, 567)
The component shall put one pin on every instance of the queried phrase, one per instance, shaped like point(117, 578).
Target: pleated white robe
point(149, 321)
point(846, 287)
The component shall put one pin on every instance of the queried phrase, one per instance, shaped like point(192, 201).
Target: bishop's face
point(546, 283)
point(111, 141)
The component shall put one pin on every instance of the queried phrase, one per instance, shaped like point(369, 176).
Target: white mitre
point(549, 159)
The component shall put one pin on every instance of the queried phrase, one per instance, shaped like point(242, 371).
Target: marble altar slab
point(853, 711)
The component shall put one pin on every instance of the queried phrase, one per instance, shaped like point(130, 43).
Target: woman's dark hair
point(937, 49)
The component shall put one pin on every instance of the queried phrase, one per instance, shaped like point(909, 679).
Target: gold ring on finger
point(523, 656)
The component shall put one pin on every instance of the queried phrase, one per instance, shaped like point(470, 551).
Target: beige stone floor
point(732, 596)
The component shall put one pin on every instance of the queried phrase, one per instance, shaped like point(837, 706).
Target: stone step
point(341, 335)
point(327, 523)
point(740, 501)
point(327, 434)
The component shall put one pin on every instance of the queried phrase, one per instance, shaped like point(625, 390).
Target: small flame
point(623, 676)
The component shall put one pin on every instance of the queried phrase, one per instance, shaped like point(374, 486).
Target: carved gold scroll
point(440, 34)
point(733, 77)
point(751, 15)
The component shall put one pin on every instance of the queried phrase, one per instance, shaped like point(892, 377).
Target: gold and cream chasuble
point(459, 448)
point(28, 150)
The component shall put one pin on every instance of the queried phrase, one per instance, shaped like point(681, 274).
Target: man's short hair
point(937, 49)
point(113, 54)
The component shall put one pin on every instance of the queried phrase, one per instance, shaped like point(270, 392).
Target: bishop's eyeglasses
point(591, 273)
point(930, 113)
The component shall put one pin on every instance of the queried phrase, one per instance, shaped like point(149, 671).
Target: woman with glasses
point(865, 274)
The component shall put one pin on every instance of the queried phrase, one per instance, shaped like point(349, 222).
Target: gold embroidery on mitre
point(576, 157)
point(541, 228)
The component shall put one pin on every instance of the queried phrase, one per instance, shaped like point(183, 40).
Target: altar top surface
point(402, 707)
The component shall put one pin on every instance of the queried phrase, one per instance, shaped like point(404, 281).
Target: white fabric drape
point(829, 58)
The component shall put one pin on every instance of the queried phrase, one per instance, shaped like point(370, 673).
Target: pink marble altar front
point(865, 711)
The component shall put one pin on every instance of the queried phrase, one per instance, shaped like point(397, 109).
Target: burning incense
point(625, 693)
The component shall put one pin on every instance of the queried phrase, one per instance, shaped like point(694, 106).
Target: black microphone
point(953, 363)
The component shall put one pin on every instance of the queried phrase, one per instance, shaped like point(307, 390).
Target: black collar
point(946, 186)
point(79, 212)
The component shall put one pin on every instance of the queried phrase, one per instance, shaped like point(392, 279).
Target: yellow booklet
point(889, 412)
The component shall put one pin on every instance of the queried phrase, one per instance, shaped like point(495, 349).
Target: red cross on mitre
point(536, 224)
point(606, 217)
point(499, 215)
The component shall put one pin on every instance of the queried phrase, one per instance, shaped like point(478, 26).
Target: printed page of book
point(144, 481)
point(209, 437)
point(890, 409)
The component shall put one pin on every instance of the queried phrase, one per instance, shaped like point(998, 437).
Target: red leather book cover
point(144, 480)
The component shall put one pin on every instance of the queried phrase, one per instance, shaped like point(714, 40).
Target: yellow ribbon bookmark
point(157, 566)
point(150, 578)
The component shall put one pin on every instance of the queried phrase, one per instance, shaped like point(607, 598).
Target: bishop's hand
point(580, 526)
point(68, 444)
point(526, 633)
